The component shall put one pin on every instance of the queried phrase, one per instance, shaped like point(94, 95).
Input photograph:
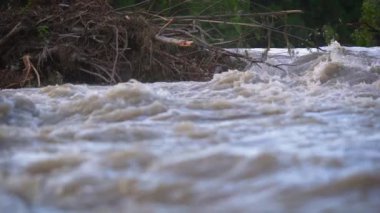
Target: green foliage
point(123, 3)
point(218, 32)
point(329, 33)
point(369, 31)
point(363, 37)
point(220, 7)
point(371, 15)
point(331, 19)
point(43, 32)
point(349, 21)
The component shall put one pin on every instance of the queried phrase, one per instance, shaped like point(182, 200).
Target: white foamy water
point(302, 139)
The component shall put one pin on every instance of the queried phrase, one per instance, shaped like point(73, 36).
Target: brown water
point(302, 139)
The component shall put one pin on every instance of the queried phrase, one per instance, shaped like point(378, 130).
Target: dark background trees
point(332, 19)
point(351, 22)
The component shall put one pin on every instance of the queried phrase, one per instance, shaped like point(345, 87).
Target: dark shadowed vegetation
point(351, 22)
point(104, 42)
point(89, 41)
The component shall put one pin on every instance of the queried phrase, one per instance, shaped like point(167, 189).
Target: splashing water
point(304, 138)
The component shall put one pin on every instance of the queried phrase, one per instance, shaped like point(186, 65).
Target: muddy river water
point(305, 138)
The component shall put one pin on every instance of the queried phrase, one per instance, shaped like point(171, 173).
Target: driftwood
point(175, 41)
point(88, 41)
point(29, 66)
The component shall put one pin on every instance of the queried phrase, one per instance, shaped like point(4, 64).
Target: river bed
point(303, 138)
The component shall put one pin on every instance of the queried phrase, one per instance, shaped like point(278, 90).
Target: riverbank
point(90, 42)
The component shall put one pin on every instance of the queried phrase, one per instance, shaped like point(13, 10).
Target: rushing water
point(304, 138)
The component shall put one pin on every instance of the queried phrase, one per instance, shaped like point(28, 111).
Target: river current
point(303, 138)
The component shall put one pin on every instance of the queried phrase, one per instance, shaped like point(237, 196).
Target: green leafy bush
point(217, 32)
point(368, 33)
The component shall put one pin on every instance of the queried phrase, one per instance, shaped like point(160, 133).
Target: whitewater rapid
point(302, 138)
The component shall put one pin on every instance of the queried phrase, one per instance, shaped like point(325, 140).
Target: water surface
point(303, 138)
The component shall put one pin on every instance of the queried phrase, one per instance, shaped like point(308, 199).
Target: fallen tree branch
point(175, 41)
point(29, 66)
point(116, 55)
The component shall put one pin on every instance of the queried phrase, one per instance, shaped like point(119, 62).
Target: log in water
point(302, 139)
